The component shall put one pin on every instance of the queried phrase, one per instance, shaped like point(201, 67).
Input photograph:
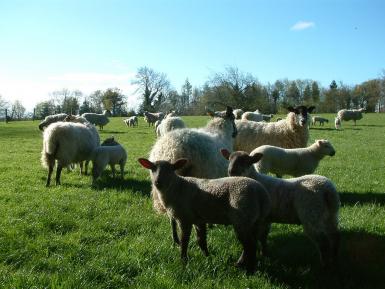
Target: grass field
point(73, 236)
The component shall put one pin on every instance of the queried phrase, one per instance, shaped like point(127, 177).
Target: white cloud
point(302, 25)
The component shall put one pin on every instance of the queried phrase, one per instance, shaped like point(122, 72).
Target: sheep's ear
point(291, 109)
point(319, 142)
point(255, 158)
point(310, 109)
point(146, 163)
point(179, 163)
point(225, 153)
point(210, 112)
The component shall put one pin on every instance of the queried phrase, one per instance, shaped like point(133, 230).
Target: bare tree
point(18, 110)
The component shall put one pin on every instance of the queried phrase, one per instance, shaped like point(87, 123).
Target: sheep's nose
point(332, 153)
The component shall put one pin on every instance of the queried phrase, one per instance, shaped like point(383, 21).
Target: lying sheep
point(151, 118)
point(353, 114)
point(109, 153)
point(292, 132)
point(68, 143)
point(295, 162)
point(131, 121)
point(238, 113)
point(320, 119)
point(310, 200)
point(252, 116)
point(51, 119)
point(337, 123)
point(97, 119)
point(169, 123)
point(237, 201)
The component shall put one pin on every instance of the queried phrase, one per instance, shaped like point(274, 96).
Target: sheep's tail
point(48, 154)
point(332, 201)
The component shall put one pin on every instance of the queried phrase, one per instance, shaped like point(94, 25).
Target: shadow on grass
point(294, 261)
point(135, 185)
point(322, 128)
point(371, 125)
point(348, 198)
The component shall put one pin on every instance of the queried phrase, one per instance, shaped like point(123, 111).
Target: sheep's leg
point(263, 232)
point(185, 238)
point(201, 231)
point(50, 170)
point(81, 167)
point(86, 168)
point(121, 169)
point(174, 228)
point(248, 240)
point(322, 243)
point(113, 170)
point(58, 173)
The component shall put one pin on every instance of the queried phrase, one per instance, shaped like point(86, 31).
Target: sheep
point(337, 123)
point(238, 113)
point(131, 121)
point(151, 118)
point(109, 153)
point(292, 132)
point(237, 201)
point(169, 124)
point(353, 114)
point(97, 119)
point(310, 200)
point(252, 116)
point(295, 162)
point(67, 142)
point(267, 117)
point(51, 119)
point(320, 119)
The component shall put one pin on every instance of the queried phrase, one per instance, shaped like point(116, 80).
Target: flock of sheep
point(217, 174)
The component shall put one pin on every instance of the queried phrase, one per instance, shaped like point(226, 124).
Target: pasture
point(75, 236)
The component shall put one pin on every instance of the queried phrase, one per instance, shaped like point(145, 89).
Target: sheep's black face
point(239, 164)
point(231, 117)
point(302, 114)
point(162, 174)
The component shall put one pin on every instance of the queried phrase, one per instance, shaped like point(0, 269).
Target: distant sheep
point(310, 200)
point(169, 123)
point(295, 162)
point(51, 119)
point(291, 132)
point(353, 114)
point(237, 201)
point(337, 123)
point(151, 118)
point(109, 153)
point(319, 119)
point(67, 142)
point(131, 121)
point(252, 116)
point(97, 119)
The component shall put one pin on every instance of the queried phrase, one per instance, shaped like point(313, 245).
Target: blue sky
point(89, 45)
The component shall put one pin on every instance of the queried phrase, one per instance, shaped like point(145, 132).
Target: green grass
point(73, 236)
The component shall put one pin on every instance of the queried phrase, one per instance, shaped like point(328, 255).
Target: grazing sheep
point(97, 119)
point(131, 121)
point(292, 132)
point(169, 123)
point(320, 119)
point(337, 123)
point(238, 113)
point(354, 114)
point(109, 153)
point(252, 116)
point(151, 118)
point(51, 119)
point(310, 200)
point(295, 162)
point(67, 142)
point(237, 201)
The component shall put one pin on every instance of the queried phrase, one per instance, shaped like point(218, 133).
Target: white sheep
point(291, 132)
point(152, 117)
point(97, 119)
point(169, 123)
point(320, 119)
point(310, 200)
point(131, 121)
point(238, 113)
point(51, 119)
point(67, 142)
point(337, 123)
point(295, 162)
point(109, 153)
point(350, 114)
point(237, 201)
point(252, 116)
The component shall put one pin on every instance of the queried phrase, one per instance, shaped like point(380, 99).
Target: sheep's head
point(162, 172)
point(110, 142)
point(302, 114)
point(241, 163)
point(227, 115)
point(325, 147)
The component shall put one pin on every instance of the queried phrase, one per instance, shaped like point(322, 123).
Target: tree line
point(230, 87)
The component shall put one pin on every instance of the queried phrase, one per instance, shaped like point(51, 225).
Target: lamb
point(292, 132)
point(131, 121)
point(67, 142)
point(51, 119)
point(310, 200)
point(97, 119)
point(238, 113)
point(169, 123)
point(151, 118)
point(353, 114)
point(237, 201)
point(295, 162)
point(252, 116)
point(320, 119)
point(337, 123)
point(109, 153)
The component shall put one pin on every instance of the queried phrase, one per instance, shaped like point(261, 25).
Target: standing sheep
point(67, 142)
point(295, 162)
point(252, 116)
point(292, 132)
point(51, 119)
point(320, 119)
point(131, 121)
point(237, 201)
point(337, 123)
point(97, 119)
point(310, 200)
point(151, 118)
point(353, 114)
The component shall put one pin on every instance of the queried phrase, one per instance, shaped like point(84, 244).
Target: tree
point(315, 92)
point(3, 106)
point(293, 94)
point(153, 86)
point(307, 97)
point(186, 95)
point(44, 108)
point(85, 107)
point(66, 101)
point(18, 110)
point(114, 100)
point(96, 101)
